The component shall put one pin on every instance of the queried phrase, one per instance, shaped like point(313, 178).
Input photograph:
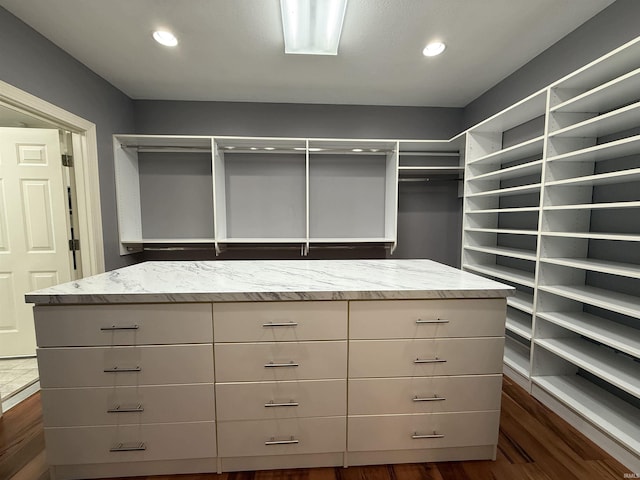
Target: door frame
point(87, 183)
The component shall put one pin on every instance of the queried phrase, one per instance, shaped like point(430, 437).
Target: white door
point(34, 248)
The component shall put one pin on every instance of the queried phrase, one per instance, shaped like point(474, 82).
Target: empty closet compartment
point(430, 159)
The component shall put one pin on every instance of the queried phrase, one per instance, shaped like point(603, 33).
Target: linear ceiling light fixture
point(312, 27)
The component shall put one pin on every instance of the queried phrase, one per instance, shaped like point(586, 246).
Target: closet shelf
point(604, 97)
point(521, 301)
point(521, 112)
point(153, 241)
point(611, 414)
point(596, 265)
point(503, 192)
point(515, 152)
point(598, 297)
point(605, 151)
point(613, 334)
point(504, 210)
point(262, 240)
point(504, 273)
point(505, 252)
point(502, 231)
point(511, 172)
point(621, 119)
point(628, 237)
point(519, 323)
point(619, 176)
point(516, 356)
point(620, 371)
point(421, 171)
point(594, 206)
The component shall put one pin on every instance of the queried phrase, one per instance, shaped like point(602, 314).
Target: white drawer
point(373, 396)
point(282, 437)
point(268, 361)
point(67, 407)
point(158, 365)
point(384, 319)
point(408, 432)
point(425, 357)
point(273, 400)
point(95, 325)
point(280, 321)
point(167, 441)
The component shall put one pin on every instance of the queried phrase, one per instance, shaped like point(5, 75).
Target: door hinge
point(67, 160)
point(74, 245)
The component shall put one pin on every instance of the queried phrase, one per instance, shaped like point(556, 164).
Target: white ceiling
point(232, 50)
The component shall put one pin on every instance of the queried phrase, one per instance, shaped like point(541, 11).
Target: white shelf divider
point(521, 150)
point(505, 273)
point(595, 265)
point(505, 252)
point(609, 300)
point(608, 123)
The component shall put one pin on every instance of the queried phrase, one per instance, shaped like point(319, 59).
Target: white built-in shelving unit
point(552, 207)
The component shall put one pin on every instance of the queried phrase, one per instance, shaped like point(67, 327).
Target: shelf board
point(521, 301)
point(505, 252)
point(515, 152)
point(521, 112)
point(605, 151)
point(615, 335)
point(618, 120)
point(619, 176)
point(593, 206)
point(166, 142)
point(596, 265)
point(171, 240)
point(519, 323)
point(440, 148)
point(604, 97)
point(609, 300)
point(504, 192)
point(511, 172)
point(614, 416)
point(351, 240)
point(628, 237)
point(504, 273)
point(262, 240)
point(421, 171)
point(613, 368)
point(502, 230)
point(516, 356)
point(505, 210)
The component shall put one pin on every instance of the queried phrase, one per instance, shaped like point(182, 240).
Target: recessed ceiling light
point(269, 148)
point(356, 150)
point(315, 149)
point(433, 49)
point(165, 38)
point(253, 148)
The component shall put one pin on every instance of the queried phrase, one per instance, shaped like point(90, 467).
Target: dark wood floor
point(534, 444)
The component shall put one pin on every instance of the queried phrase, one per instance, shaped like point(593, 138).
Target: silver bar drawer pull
point(273, 441)
point(417, 436)
point(126, 409)
point(439, 320)
point(278, 365)
point(429, 360)
point(290, 403)
point(123, 327)
point(435, 398)
point(128, 447)
point(280, 324)
point(117, 369)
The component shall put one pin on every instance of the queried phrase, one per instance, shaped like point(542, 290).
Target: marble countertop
point(272, 280)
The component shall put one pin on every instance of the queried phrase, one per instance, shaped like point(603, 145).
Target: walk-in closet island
point(179, 367)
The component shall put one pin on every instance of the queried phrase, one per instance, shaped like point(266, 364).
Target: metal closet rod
point(261, 149)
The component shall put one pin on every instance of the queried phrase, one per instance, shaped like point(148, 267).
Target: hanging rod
point(166, 148)
point(428, 179)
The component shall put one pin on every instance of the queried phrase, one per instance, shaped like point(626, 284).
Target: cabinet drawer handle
point(439, 320)
point(280, 324)
point(273, 441)
point(429, 360)
point(125, 409)
point(418, 436)
point(128, 447)
point(123, 327)
point(290, 403)
point(435, 398)
point(117, 369)
point(278, 365)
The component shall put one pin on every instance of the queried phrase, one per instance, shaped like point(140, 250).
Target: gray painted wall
point(614, 26)
point(34, 64)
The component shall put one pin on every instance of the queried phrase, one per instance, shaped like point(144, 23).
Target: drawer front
point(427, 318)
point(280, 321)
point(425, 357)
point(436, 430)
point(282, 437)
point(167, 441)
point(268, 361)
point(376, 396)
point(67, 407)
point(158, 365)
point(95, 325)
point(273, 400)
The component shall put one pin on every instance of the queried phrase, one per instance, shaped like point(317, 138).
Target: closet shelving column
point(587, 328)
point(503, 160)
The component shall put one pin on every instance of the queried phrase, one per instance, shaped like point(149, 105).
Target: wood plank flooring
point(534, 444)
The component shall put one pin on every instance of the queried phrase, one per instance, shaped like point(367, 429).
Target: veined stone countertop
point(272, 280)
